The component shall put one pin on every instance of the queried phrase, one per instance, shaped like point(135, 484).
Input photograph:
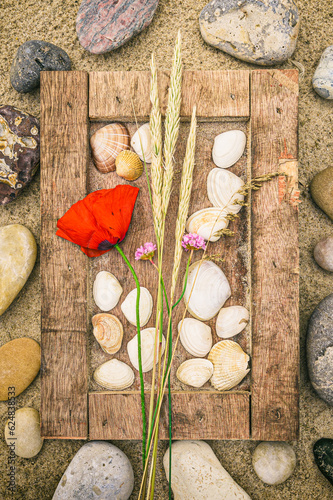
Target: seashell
point(209, 289)
point(141, 143)
point(128, 165)
point(106, 291)
point(147, 349)
point(106, 144)
point(228, 148)
point(207, 222)
point(146, 306)
point(108, 332)
point(230, 364)
point(222, 189)
point(231, 321)
point(114, 375)
point(195, 372)
point(195, 336)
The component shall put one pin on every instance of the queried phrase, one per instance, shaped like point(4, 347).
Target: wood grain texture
point(217, 94)
point(64, 154)
point(275, 257)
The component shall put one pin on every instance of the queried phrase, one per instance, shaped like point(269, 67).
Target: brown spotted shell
point(108, 332)
point(106, 144)
point(129, 166)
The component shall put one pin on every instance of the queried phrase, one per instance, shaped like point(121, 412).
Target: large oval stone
point(322, 80)
point(22, 433)
point(321, 188)
point(323, 453)
point(18, 251)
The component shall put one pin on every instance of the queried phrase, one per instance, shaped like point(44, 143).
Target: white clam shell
point(230, 364)
point(147, 349)
point(114, 375)
point(207, 222)
point(146, 306)
point(108, 332)
point(209, 289)
point(141, 143)
point(231, 321)
point(228, 148)
point(106, 291)
point(222, 189)
point(195, 336)
point(195, 372)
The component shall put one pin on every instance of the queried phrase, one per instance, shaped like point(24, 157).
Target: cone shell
point(228, 148)
point(230, 364)
point(209, 289)
point(195, 372)
point(231, 321)
point(114, 375)
point(129, 166)
point(195, 336)
point(141, 143)
point(106, 144)
point(222, 188)
point(145, 307)
point(106, 291)
point(207, 222)
point(108, 332)
point(147, 349)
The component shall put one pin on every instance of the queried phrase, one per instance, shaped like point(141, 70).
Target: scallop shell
point(141, 143)
point(230, 364)
point(128, 165)
point(195, 372)
point(106, 144)
point(108, 332)
point(231, 321)
point(222, 188)
point(195, 336)
point(114, 375)
point(228, 148)
point(209, 289)
point(106, 291)
point(207, 222)
point(147, 349)
point(146, 306)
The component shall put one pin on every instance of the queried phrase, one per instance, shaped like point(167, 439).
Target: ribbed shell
point(207, 222)
point(230, 365)
point(231, 321)
point(222, 189)
point(114, 375)
point(106, 144)
point(145, 308)
point(108, 332)
point(141, 143)
point(196, 337)
point(228, 148)
point(195, 372)
point(147, 349)
point(106, 290)
point(128, 165)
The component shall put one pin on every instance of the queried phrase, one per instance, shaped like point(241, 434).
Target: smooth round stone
point(19, 151)
point(320, 349)
point(323, 253)
point(20, 363)
point(31, 58)
point(274, 462)
point(104, 25)
point(323, 453)
point(322, 80)
point(18, 251)
point(321, 188)
point(98, 470)
point(25, 427)
point(259, 32)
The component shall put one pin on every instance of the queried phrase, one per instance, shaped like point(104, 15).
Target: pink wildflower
point(193, 241)
point(145, 252)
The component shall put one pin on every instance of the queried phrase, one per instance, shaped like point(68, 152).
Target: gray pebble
point(274, 462)
point(322, 80)
point(323, 253)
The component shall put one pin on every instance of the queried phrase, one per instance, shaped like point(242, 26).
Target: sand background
point(54, 21)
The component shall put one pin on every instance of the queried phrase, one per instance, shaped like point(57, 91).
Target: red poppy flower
point(100, 220)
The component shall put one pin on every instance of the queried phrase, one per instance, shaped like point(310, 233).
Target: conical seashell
point(207, 222)
point(106, 291)
point(114, 375)
point(231, 321)
point(128, 165)
point(222, 189)
point(195, 372)
point(209, 289)
point(108, 332)
point(106, 144)
point(146, 306)
point(230, 364)
point(195, 336)
point(141, 143)
point(228, 148)
point(147, 349)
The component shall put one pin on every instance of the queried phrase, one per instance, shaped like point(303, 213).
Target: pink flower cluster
point(145, 252)
point(193, 241)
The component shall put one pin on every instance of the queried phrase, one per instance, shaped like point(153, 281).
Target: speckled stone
point(323, 453)
point(31, 58)
point(321, 189)
point(25, 427)
point(259, 32)
point(98, 470)
point(104, 25)
point(320, 349)
point(322, 80)
point(19, 151)
point(323, 253)
point(274, 462)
